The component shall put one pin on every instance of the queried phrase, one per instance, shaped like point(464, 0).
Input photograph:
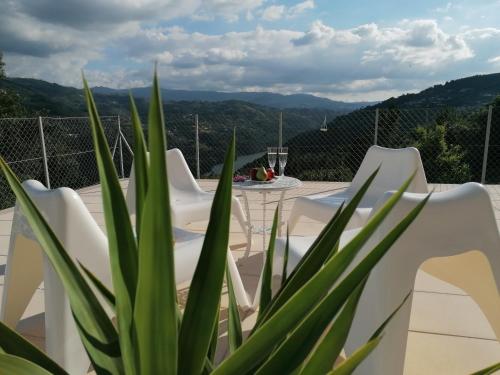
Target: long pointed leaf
point(299, 343)
point(82, 299)
point(488, 370)
point(351, 363)
point(324, 245)
point(14, 344)
point(140, 165)
point(234, 332)
point(105, 292)
point(121, 241)
point(328, 349)
point(285, 259)
point(12, 365)
point(212, 350)
point(156, 311)
point(208, 278)
point(259, 345)
point(267, 272)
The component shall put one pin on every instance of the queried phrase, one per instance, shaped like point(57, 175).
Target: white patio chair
point(27, 267)
point(189, 203)
point(455, 238)
point(396, 165)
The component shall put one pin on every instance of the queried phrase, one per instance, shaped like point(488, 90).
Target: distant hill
point(471, 91)
point(39, 95)
point(268, 99)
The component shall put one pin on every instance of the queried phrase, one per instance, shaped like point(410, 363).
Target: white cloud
point(273, 12)
point(277, 12)
point(494, 60)
point(300, 8)
point(369, 61)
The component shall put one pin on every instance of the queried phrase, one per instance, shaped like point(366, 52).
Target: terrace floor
point(448, 333)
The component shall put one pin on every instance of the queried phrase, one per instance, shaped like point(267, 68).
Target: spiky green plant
point(152, 335)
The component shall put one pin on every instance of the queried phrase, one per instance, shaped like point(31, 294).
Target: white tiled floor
point(448, 333)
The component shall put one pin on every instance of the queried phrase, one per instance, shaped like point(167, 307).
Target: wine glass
point(271, 156)
point(282, 157)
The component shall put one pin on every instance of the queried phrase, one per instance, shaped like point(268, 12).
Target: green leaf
point(156, 311)
point(260, 344)
point(299, 343)
point(12, 365)
point(324, 245)
point(212, 350)
point(380, 329)
point(330, 345)
point(105, 292)
point(234, 332)
point(488, 370)
point(351, 363)
point(266, 292)
point(121, 240)
point(285, 259)
point(208, 278)
point(16, 345)
point(82, 299)
point(140, 165)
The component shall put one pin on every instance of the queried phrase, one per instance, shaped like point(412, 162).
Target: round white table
point(282, 184)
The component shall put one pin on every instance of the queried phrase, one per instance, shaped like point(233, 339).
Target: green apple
point(261, 174)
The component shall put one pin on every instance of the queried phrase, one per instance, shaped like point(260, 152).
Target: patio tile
point(449, 314)
point(448, 355)
point(428, 283)
point(448, 334)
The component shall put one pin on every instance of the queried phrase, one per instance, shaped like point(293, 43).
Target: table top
point(281, 183)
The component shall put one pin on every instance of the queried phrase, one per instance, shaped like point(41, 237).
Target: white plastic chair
point(455, 238)
point(396, 165)
point(189, 203)
point(27, 266)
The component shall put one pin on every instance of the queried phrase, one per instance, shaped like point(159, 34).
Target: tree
point(10, 102)
point(443, 162)
point(2, 66)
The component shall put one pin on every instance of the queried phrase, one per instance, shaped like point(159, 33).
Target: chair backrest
point(396, 165)
point(180, 180)
point(457, 233)
point(73, 225)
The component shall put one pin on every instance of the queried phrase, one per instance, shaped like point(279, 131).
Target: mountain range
point(51, 98)
point(471, 91)
point(268, 99)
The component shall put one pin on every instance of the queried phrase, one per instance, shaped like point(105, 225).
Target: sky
point(357, 50)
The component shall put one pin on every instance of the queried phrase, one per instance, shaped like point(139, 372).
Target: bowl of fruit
point(262, 175)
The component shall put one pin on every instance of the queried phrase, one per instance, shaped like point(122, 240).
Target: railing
point(457, 144)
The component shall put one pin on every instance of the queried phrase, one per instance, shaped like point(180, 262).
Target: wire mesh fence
point(456, 144)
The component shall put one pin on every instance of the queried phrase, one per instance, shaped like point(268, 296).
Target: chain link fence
point(456, 144)
point(56, 151)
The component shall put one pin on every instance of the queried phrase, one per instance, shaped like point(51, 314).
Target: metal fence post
point(120, 147)
point(280, 134)
point(197, 138)
point(375, 137)
point(486, 144)
point(44, 153)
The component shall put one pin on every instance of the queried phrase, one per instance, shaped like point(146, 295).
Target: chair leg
point(23, 275)
point(244, 221)
point(471, 272)
point(295, 215)
point(239, 289)
point(60, 327)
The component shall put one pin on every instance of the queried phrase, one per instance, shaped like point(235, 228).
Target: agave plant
point(153, 334)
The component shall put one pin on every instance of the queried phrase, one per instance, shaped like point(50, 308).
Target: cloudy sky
point(345, 50)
